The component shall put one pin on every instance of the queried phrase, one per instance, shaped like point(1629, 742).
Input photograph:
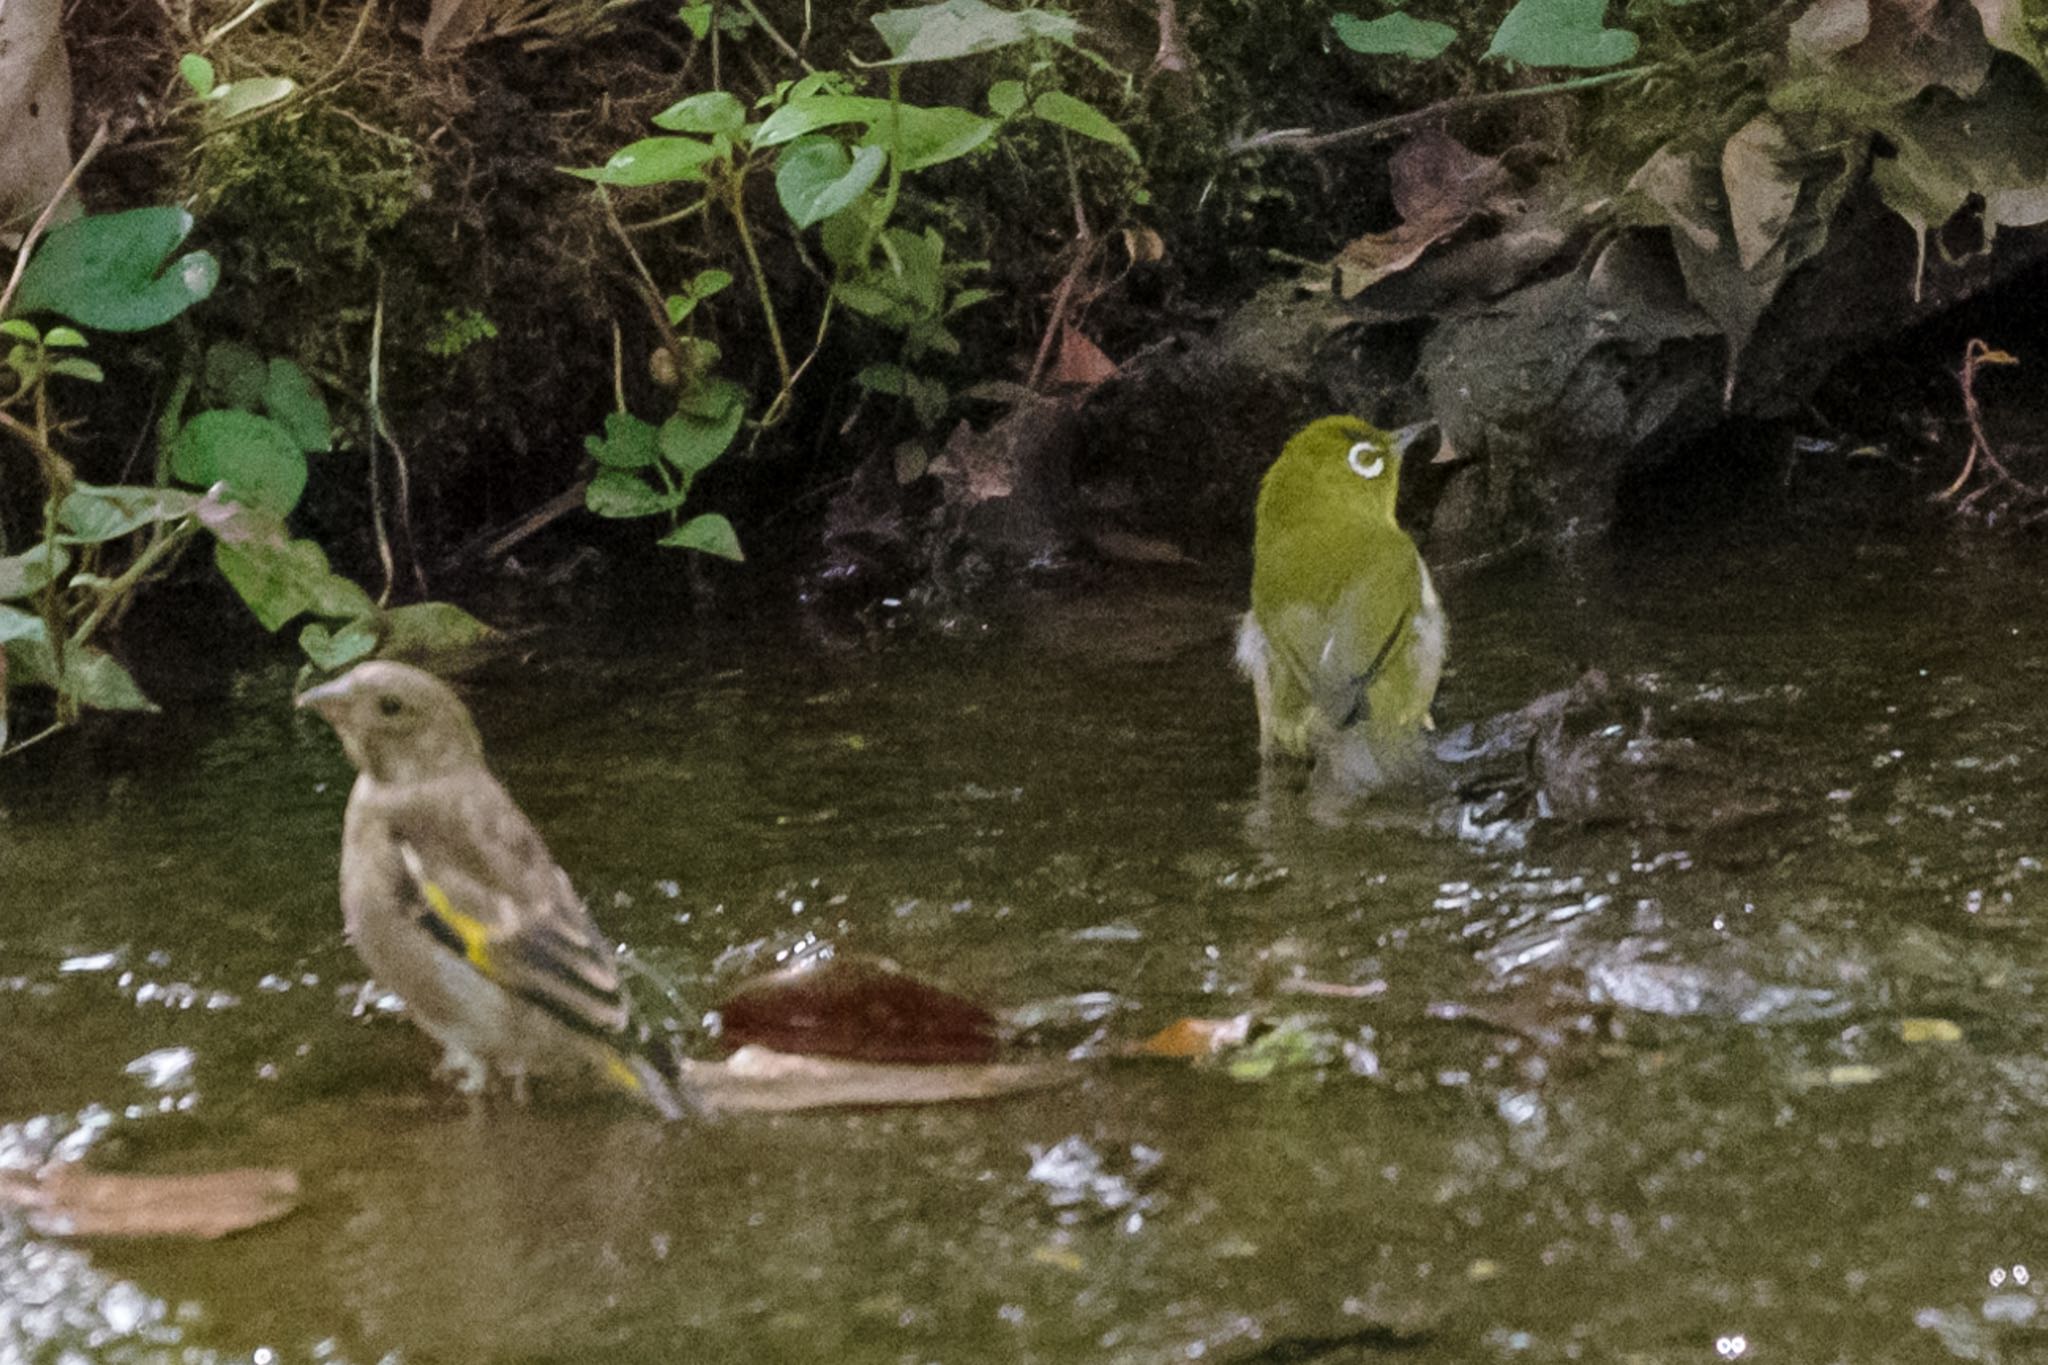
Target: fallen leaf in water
point(761, 1080)
point(1930, 1031)
point(864, 1009)
point(1197, 1037)
point(65, 1201)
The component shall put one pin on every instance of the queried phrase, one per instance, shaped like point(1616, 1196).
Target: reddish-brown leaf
point(861, 1008)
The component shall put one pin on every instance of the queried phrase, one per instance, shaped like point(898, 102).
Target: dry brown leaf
point(452, 24)
point(1762, 185)
point(1197, 1037)
point(761, 1080)
point(1081, 362)
point(66, 1201)
point(1439, 185)
point(1143, 245)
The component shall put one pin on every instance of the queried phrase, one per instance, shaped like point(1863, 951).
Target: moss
point(304, 193)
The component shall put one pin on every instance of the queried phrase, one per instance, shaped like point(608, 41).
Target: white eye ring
point(1366, 471)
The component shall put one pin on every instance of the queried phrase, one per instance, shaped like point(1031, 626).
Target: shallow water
point(1740, 1157)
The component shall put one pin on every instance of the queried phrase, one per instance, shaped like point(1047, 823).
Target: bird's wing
point(483, 885)
point(1333, 654)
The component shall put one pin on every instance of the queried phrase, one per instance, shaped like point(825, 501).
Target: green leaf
point(90, 678)
point(258, 459)
point(710, 534)
point(848, 236)
point(1394, 35)
point(296, 405)
point(691, 440)
point(235, 375)
point(32, 570)
point(16, 624)
point(815, 178)
point(709, 282)
point(62, 336)
point(1561, 33)
point(697, 19)
point(627, 443)
point(338, 649)
point(430, 631)
point(714, 111)
point(967, 298)
point(102, 271)
point(21, 329)
point(617, 493)
point(1006, 98)
point(920, 137)
point(812, 112)
point(78, 368)
point(654, 161)
point(246, 97)
point(961, 28)
point(869, 299)
point(198, 73)
point(281, 579)
point(92, 514)
point(94, 679)
point(1078, 116)
point(884, 378)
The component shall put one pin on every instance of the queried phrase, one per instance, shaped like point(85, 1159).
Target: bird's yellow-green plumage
point(453, 901)
point(1345, 638)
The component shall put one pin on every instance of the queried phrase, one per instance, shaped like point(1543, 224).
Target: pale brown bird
point(452, 899)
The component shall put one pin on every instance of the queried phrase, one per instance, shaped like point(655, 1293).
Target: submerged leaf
point(69, 1202)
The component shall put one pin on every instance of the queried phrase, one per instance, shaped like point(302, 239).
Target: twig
point(384, 556)
point(1303, 140)
point(650, 291)
point(1976, 353)
point(92, 149)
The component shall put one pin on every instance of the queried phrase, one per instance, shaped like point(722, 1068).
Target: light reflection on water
point(1629, 1090)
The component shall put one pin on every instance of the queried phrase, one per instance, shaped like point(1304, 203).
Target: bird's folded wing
point(1333, 654)
point(485, 887)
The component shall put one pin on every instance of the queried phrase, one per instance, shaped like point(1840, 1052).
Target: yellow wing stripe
point(474, 934)
point(616, 1068)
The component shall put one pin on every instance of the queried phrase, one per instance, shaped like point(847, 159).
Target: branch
point(1304, 140)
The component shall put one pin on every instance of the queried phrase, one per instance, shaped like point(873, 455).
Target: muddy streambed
point(1772, 1089)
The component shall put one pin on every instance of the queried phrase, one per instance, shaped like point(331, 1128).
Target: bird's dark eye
point(390, 706)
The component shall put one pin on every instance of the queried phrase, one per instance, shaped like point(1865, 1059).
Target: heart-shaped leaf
point(1399, 34)
point(108, 271)
point(258, 459)
point(1561, 33)
point(815, 178)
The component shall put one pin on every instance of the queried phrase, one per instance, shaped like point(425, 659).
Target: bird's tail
point(652, 1072)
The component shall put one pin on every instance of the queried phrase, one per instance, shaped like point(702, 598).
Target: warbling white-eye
point(1345, 638)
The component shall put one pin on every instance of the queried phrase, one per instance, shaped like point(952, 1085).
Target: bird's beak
point(1408, 438)
point(330, 699)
